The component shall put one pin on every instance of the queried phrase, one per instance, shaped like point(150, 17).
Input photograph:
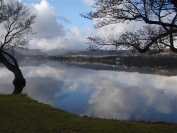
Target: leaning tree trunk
point(19, 81)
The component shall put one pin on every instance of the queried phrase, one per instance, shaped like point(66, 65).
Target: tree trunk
point(19, 81)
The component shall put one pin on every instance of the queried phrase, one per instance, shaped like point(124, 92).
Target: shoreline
point(24, 114)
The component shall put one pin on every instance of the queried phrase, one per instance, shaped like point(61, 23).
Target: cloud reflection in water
point(105, 94)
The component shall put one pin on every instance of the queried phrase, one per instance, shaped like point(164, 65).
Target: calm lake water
point(98, 90)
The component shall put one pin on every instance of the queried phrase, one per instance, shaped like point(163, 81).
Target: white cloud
point(76, 32)
point(88, 2)
point(61, 18)
point(46, 24)
point(116, 29)
point(66, 42)
point(51, 34)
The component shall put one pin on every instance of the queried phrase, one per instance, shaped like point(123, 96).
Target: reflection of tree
point(167, 62)
point(17, 21)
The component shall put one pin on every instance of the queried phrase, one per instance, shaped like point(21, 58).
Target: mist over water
point(104, 93)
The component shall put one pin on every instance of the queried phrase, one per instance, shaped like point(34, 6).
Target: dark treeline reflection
point(165, 62)
point(105, 93)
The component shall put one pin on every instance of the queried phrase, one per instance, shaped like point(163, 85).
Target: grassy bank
point(18, 113)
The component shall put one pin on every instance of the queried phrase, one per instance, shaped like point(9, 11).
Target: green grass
point(19, 113)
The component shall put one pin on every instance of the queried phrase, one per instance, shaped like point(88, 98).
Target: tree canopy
point(16, 20)
point(158, 31)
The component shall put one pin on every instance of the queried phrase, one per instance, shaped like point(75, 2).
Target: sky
point(59, 25)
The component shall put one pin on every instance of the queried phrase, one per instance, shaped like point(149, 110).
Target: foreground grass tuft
point(19, 113)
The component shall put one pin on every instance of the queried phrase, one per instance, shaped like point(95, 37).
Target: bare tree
point(174, 2)
point(17, 21)
point(159, 30)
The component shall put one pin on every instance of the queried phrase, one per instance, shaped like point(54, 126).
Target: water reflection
point(99, 93)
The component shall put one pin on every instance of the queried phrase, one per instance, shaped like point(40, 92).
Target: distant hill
point(31, 52)
point(68, 53)
point(54, 52)
point(86, 52)
point(65, 52)
point(94, 53)
point(15, 53)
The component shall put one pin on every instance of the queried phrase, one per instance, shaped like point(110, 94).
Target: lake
point(98, 90)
